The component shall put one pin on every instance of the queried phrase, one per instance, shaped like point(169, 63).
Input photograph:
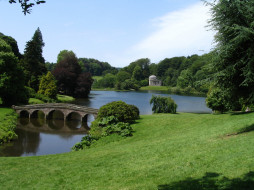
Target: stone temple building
point(153, 81)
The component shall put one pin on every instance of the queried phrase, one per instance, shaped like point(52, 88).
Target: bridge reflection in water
point(56, 124)
point(56, 117)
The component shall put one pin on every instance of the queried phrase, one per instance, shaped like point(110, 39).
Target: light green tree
point(48, 86)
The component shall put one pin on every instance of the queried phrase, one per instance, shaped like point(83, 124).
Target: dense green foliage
point(167, 151)
point(113, 118)
point(12, 89)
point(33, 62)
point(120, 110)
point(13, 43)
point(8, 125)
point(70, 80)
point(216, 100)
point(182, 72)
point(40, 97)
point(48, 86)
point(234, 54)
point(96, 67)
point(163, 104)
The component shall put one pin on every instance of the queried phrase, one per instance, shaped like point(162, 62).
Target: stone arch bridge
point(48, 109)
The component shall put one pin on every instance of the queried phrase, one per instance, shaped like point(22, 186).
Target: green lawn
point(65, 98)
point(181, 151)
point(158, 88)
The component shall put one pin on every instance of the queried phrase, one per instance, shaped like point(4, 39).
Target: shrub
point(120, 110)
point(135, 111)
point(216, 100)
point(113, 118)
point(144, 82)
point(163, 104)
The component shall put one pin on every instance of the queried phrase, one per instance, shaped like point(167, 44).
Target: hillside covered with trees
point(192, 72)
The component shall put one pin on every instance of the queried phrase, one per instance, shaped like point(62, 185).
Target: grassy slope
point(164, 150)
point(6, 123)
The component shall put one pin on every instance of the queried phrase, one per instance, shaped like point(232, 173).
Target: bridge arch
point(59, 114)
point(24, 114)
point(74, 115)
point(36, 113)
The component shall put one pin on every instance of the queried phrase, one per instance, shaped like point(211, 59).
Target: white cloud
point(179, 33)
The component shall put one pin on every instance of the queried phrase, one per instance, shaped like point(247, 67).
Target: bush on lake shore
point(163, 104)
point(113, 118)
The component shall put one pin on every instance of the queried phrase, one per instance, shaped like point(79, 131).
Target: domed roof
point(152, 77)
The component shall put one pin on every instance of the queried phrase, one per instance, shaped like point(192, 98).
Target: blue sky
point(114, 31)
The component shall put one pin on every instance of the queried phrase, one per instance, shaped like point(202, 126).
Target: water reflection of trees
point(27, 143)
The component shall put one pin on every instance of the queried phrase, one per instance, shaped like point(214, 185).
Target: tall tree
point(33, 62)
point(70, 80)
point(234, 64)
point(12, 90)
point(66, 72)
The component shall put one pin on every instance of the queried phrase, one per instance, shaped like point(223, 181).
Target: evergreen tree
point(234, 64)
point(33, 62)
point(48, 86)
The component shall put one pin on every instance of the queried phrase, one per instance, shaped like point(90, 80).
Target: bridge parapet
point(66, 109)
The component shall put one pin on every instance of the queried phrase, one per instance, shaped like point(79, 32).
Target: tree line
point(182, 72)
point(25, 76)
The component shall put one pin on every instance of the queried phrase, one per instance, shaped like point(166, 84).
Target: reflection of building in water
point(153, 81)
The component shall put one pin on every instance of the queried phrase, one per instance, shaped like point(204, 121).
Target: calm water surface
point(40, 137)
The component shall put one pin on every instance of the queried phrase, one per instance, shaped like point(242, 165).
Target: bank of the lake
point(188, 91)
point(8, 119)
point(181, 151)
point(163, 89)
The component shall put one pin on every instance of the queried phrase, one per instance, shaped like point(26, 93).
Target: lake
point(34, 141)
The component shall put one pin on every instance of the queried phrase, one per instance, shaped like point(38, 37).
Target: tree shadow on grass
point(241, 113)
point(246, 129)
point(212, 181)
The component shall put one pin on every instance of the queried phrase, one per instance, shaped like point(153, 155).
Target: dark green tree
point(12, 90)
point(13, 43)
point(122, 76)
point(70, 80)
point(66, 72)
point(233, 21)
point(137, 73)
point(33, 62)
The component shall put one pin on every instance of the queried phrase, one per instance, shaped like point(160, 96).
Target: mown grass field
point(181, 151)
point(156, 88)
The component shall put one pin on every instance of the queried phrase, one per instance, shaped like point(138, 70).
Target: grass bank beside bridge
point(181, 151)
point(8, 118)
point(8, 122)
